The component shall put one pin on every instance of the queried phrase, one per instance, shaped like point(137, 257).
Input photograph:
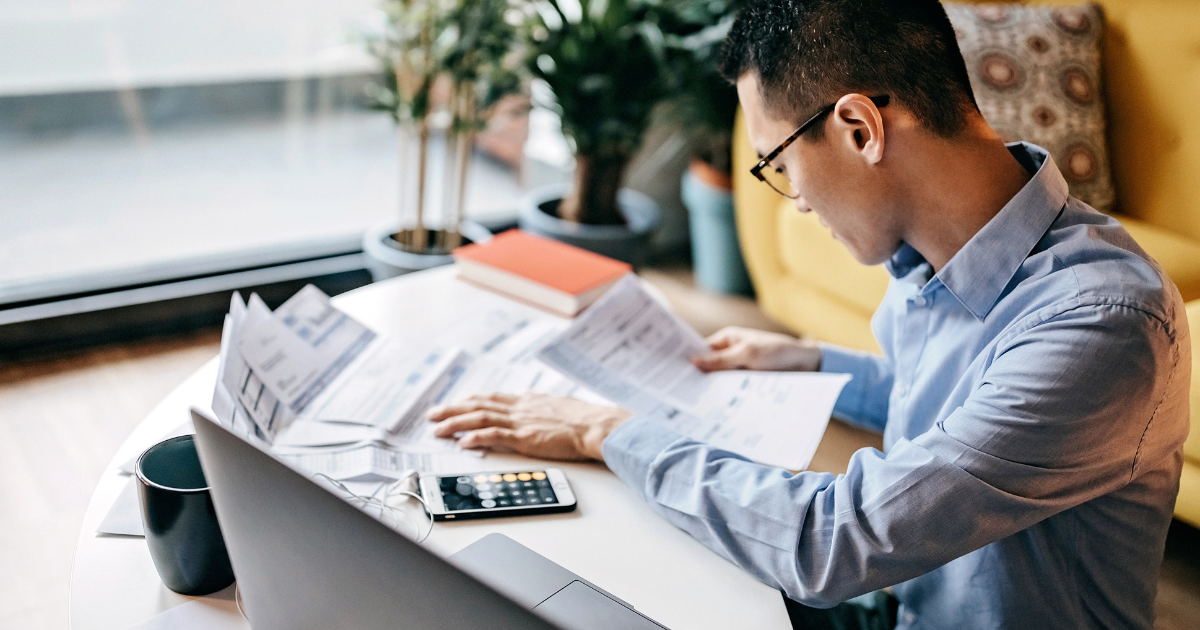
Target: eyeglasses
point(782, 183)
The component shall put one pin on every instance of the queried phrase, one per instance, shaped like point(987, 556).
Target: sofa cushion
point(1036, 74)
point(1179, 256)
point(807, 250)
point(1191, 448)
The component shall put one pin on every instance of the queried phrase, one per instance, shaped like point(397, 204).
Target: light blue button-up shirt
point(1033, 396)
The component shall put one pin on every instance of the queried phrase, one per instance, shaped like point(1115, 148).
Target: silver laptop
point(305, 558)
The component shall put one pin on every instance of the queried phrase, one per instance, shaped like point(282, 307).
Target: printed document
point(301, 347)
point(372, 461)
point(632, 350)
point(241, 400)
point(308, 377)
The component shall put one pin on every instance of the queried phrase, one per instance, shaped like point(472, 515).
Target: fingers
point(730, 358)
point(723, 338)
point(725, 345)
point(489, 438)
point(500, 403)
point(471, 421)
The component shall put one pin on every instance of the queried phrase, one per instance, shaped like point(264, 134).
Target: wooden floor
point(62, 419)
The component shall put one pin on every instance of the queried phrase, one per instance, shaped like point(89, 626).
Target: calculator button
point(518, 501)
point(510, 477)
point(531, 492)
point(543, 484)
point(483, 486)
point(464, 489)
point(464, 480)
point(480, 478)
point(547, 496)
point(539, 476)
point(548, 499)
point(486, 495)
point(488, 503)
point(495, 478)
point(503, 502)
point(524, 476)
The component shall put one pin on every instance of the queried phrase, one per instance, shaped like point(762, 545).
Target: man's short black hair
point(809, 53)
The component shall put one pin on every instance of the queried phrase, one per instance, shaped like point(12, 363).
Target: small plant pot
point(628, 243)
point(716, 253)
point(385, 258)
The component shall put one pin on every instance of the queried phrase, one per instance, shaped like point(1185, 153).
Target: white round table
point(613, 539)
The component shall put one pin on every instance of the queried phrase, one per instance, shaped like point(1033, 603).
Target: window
point(151, 144)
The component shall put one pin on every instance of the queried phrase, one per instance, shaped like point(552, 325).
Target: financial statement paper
point(328, 394)
point(632, 350)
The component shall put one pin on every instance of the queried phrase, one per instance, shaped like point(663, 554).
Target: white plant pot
point(385, 259)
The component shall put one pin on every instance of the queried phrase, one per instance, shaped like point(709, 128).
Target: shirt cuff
point(632, 448)
point(841, 360)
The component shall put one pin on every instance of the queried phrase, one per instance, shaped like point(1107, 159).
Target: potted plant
point(444, 62)
point(604, 63)
point(708, 103)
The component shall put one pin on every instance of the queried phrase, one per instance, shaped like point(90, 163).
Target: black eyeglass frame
point(879, 101)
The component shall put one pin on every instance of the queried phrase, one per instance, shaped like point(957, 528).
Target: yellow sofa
point(809, 282)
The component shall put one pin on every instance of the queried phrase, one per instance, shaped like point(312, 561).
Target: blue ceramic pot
point(716, 253)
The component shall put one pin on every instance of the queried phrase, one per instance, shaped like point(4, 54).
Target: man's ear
point(858, 121)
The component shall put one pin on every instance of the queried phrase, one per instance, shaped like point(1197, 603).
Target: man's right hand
point(735, 348)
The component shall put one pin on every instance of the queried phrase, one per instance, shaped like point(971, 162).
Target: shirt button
point(909, 618)
point(919, 300)
point(901, 390)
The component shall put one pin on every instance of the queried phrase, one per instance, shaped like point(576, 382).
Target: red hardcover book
point(558, 277)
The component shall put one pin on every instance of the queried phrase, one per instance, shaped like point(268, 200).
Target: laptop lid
point(305, 558)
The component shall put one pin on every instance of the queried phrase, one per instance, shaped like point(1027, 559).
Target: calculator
point(495, 494)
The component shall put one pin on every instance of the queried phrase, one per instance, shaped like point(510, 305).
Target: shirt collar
point(978, 273)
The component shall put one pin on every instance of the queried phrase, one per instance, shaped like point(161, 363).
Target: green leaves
point(466, 41)
point(604, 62)
point(607, 62)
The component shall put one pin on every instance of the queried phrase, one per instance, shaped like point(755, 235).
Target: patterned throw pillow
point(1036, 75)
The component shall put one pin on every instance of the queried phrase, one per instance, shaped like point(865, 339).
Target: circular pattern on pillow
point(1044, 116)
point(1073, 20)
point(1080, 163)
point(994, 13)
point(1077, 85)
point(1036, 76)
point(1037, 44)
point(1000, 71)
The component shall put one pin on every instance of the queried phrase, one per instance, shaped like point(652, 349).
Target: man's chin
point(869, 259)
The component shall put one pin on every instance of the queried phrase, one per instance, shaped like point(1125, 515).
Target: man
point(1033, 391)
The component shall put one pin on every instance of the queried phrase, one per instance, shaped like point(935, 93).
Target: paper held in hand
point(630, 349)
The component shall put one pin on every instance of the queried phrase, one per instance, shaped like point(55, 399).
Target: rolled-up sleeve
point(864, 400)
point(993, 467)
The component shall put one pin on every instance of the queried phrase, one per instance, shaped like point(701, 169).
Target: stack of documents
point(632, 350)
point(331, 396)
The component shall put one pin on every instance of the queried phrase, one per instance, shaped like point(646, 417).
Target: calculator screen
point(485, 491)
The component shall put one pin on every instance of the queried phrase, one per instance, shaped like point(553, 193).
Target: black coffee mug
point(181, 523)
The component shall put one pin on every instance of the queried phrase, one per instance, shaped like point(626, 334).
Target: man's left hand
point(537, 425)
